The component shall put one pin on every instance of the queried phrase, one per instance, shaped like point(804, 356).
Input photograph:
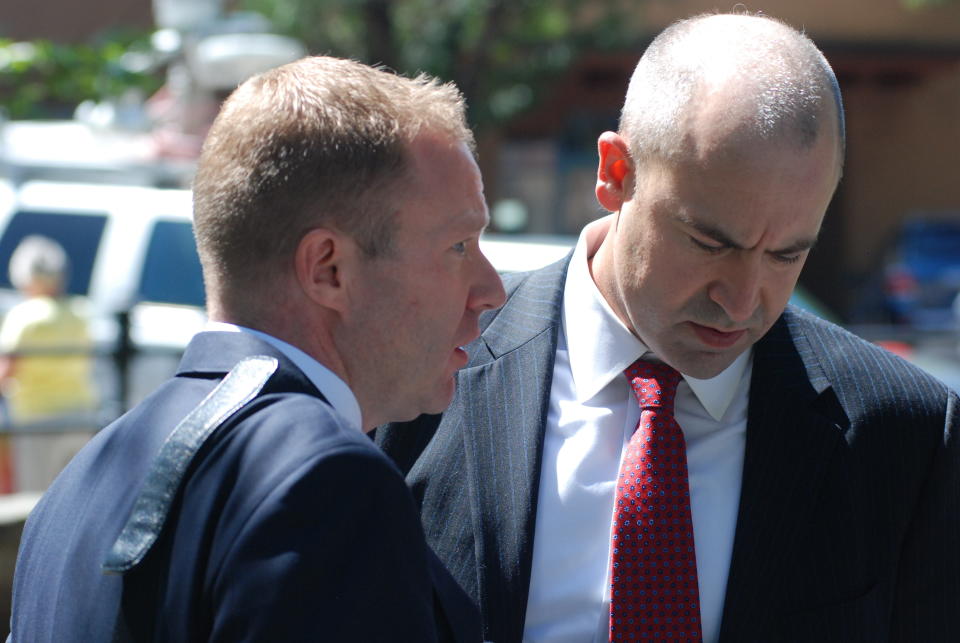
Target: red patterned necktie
point(653, 566)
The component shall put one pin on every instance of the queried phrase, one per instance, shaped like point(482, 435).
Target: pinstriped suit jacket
point(849, 519)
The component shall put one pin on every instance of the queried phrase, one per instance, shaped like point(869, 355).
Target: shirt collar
point(338, 394)
point(600, 346)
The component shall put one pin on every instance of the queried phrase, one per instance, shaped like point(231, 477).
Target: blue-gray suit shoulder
point(867, 379)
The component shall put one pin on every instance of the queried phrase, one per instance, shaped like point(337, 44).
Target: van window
point(79, 235)
point(171, 270)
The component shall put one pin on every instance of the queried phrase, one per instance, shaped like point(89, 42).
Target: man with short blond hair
point(337, 210)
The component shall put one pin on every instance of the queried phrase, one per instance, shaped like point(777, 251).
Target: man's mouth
point(717, 338)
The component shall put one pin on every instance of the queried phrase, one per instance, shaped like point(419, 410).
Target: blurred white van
point(131, 249)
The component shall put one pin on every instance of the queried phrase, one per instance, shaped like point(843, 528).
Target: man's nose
point(738, 286)
point(488, 290)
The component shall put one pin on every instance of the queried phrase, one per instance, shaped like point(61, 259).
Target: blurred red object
point(903, 349)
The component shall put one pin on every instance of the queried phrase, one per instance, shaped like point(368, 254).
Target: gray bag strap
point(241, 385)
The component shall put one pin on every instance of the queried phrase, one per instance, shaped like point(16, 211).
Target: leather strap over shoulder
point(241, 385)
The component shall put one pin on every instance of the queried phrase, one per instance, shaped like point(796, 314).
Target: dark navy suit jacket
point(849, 517)
point(289, 526)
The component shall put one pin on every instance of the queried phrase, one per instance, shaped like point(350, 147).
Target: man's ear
point(614, 171)
point(319, 262)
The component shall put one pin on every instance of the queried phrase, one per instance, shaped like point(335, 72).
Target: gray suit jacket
point(849, 519)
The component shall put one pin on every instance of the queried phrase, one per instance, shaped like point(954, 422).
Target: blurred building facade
point(66, 21)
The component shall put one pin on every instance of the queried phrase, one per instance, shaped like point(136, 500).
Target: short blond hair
point(318, 142)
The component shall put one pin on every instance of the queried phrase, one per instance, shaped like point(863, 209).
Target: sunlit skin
point(702, 256)
point(411, 312)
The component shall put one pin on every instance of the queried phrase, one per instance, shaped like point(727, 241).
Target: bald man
point(648, 442)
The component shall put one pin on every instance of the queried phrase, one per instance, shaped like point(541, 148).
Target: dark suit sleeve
point(335, 553)
point(927, 606)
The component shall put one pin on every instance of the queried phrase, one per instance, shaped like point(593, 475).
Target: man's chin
point(703, 364)
point(441, 399)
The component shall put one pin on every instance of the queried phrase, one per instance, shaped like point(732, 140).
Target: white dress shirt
point(591, 417)
point(338, 394)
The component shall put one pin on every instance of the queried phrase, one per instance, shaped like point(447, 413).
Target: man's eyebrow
point(721, 237)
point(800, 246)
point(708, 230)
point(466, 221)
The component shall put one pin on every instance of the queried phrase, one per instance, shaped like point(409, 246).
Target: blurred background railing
point(119, 368)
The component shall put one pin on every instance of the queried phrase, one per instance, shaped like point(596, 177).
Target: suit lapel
point(457, 616)
point(509, 390)
point(794, 427)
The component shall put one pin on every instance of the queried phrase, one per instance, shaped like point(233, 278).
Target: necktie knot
point(654, 384)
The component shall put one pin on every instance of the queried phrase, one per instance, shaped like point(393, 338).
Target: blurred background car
point(922, 275)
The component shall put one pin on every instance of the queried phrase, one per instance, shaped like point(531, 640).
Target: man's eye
point(787, 259)
point(706, 246)
point(460, 247)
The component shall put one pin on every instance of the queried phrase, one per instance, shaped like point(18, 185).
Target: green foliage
point(503, 54)
point(43, 79)
point(920, 4)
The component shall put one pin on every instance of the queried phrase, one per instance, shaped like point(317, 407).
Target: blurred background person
point(46, 367)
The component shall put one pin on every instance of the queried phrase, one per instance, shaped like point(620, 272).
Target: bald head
point(743, 78)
